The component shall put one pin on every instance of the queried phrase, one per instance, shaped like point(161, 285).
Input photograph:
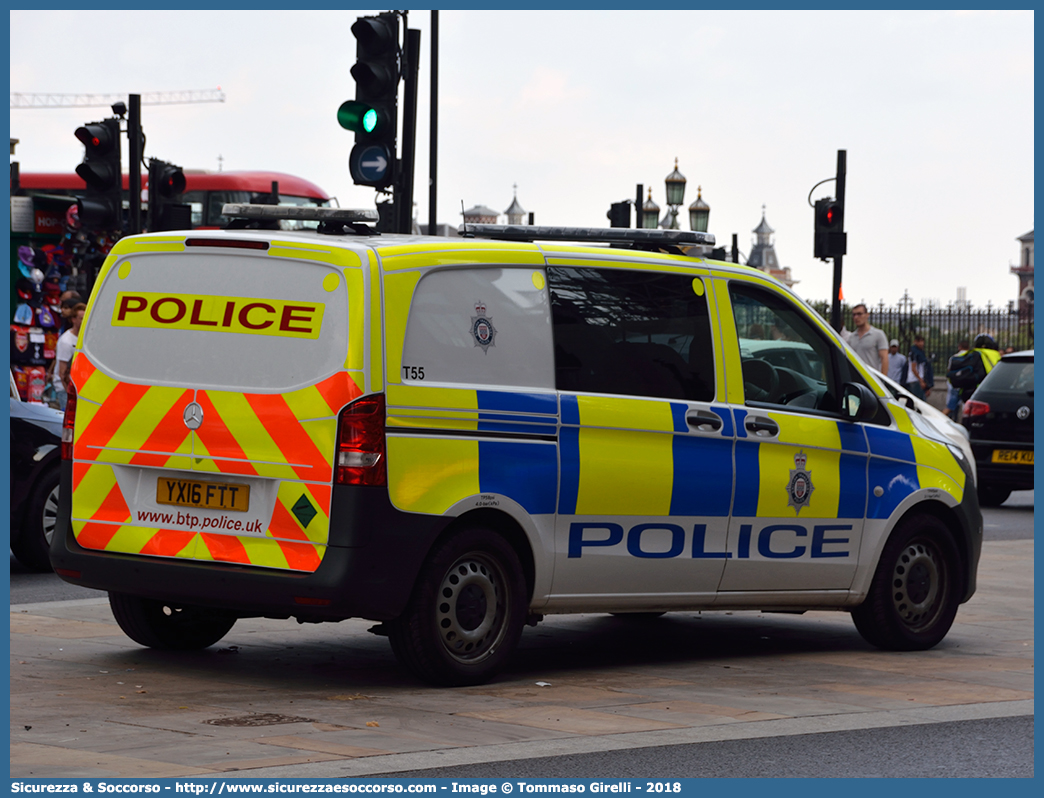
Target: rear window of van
point(220, 321)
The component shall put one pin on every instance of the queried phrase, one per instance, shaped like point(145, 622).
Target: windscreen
point(221, 320)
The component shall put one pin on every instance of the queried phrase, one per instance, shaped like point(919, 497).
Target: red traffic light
point(170, 180)
point(101, 206)
point(830, 239)
point(828, 213)
point(97, 138)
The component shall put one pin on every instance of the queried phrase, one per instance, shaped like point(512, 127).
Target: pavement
point(276, 699)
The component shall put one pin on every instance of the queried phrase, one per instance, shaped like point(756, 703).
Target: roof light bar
point(244, 210)
point(612, 235)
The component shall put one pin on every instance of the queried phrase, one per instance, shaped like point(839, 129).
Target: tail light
point(360, 443)
point(975, 408)
point(67, 426)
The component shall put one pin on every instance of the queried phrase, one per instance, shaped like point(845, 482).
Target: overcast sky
point(934, 108)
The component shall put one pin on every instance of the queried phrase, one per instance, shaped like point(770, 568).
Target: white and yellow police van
point(457, 436)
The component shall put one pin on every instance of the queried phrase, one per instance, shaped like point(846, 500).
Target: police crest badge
point(799, 488)
point(482, 329)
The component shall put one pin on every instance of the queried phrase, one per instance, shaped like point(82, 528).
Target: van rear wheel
point(466, 613)
point(915, 592)
point(160, 624)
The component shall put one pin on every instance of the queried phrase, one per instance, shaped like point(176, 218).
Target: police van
point(457, 436)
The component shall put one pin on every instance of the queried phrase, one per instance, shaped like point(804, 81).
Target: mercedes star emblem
point(193, 416)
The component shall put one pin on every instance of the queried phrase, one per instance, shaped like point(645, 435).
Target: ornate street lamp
point(675, 182)
point(699, 213)
point(650, 213)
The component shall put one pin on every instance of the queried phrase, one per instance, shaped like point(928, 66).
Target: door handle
point(761, 426)
point(703, 420)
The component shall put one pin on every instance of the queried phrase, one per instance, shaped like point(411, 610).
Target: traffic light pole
point(404, 192)
point(433, 146)
point(835, 304)
point(134, 166)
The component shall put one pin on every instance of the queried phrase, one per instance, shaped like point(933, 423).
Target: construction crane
point(26, 100)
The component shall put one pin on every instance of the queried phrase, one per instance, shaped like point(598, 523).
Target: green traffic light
point(357, 116)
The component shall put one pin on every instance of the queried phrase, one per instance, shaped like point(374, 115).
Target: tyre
point(916, 589)
point(992, 495)
point(32, 545)
point(159, 624)
point(466, 612)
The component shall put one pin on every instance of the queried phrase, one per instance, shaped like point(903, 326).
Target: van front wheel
point(916, 589)
point(158, 624)
point(466, 613)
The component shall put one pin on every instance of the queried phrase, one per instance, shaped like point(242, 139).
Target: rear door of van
point(209, 381)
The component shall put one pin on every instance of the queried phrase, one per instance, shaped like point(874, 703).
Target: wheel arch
point(507, 527)
point(950, 518)
point(952, 522)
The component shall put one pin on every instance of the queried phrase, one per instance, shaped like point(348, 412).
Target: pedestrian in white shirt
point(64, 354)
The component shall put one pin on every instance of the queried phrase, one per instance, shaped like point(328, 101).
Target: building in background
point(515, 213)
point(962, 303)
point(480, 214)
point(763, 254)
point(1024, 271)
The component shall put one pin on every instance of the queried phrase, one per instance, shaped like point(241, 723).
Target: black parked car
point(36, 451)
point(999, 418)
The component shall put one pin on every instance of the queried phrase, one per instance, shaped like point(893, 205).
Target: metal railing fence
point(943, 328)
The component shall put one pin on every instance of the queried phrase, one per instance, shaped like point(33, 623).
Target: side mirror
point(858, 402)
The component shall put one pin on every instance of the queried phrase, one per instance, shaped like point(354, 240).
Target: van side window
point(785, 360)
point(480, 326)
point(639, 333)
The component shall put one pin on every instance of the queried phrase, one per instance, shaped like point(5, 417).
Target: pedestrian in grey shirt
point(869, 342)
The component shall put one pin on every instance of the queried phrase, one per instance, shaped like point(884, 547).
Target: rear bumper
point(1006, 475)
point(368, 570)
point(1014, 477)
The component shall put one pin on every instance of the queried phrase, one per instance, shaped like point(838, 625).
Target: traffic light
point(830, 237)
point(101, 207)
point(166, 183)
point(619, 214)
point(372, 115)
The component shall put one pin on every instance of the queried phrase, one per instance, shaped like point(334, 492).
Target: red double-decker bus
point(205, 192)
